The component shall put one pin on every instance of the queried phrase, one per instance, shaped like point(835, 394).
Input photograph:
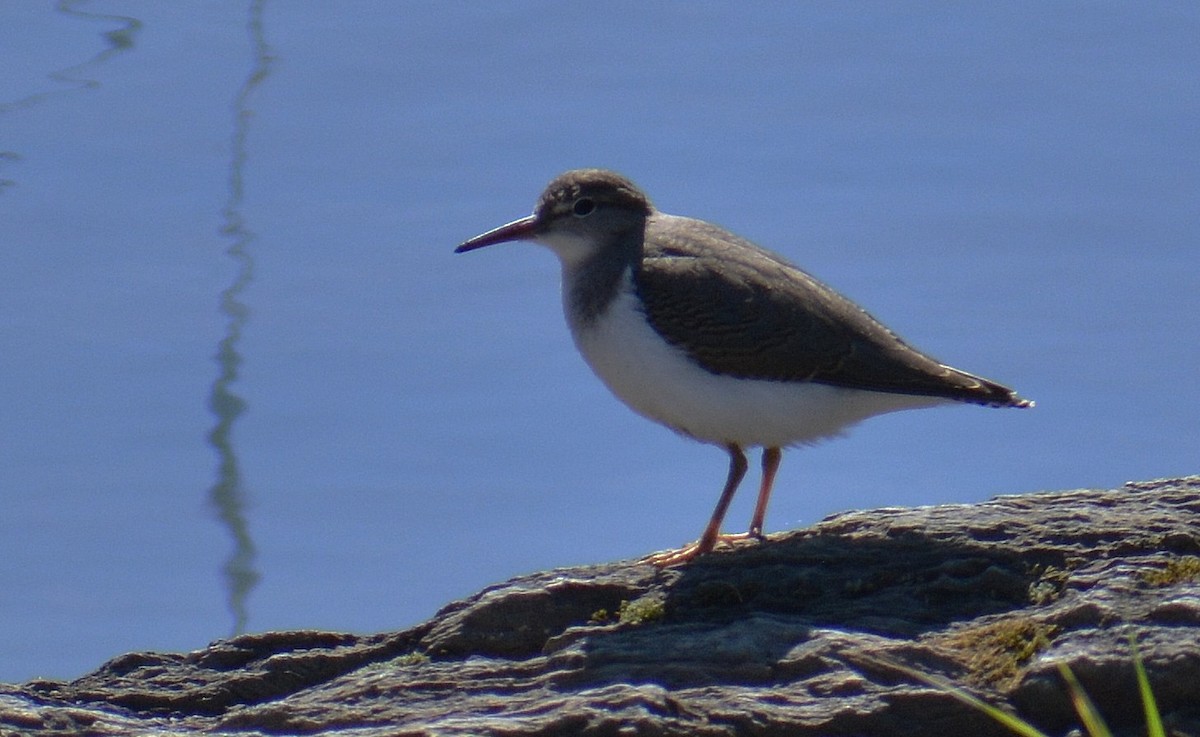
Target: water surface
point(247, 385)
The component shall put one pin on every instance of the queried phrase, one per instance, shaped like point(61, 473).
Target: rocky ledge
point(799, 635)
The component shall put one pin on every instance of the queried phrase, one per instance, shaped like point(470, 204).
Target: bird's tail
point(979, 390)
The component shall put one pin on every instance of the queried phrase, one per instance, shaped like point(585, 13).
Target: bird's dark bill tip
point(517, 230)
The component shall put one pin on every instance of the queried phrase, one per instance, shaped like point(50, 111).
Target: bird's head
point(579, 213)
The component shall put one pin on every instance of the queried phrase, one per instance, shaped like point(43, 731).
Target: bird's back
point(742, 311)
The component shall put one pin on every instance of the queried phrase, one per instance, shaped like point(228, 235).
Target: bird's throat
point(591, 285)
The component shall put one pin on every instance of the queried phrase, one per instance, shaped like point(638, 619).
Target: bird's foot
point(687, 553)
point(733, 537)
point(679, 556)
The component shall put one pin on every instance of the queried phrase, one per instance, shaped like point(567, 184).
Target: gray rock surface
point(794, 636)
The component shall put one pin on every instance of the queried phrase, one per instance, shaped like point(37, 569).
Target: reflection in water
point(119, 41)
point(227, 494)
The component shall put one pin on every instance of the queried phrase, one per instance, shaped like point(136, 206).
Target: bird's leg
point(770, 464)
point(737, 471)
point(708, 540)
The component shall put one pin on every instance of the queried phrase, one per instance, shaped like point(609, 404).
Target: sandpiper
point(718, 338)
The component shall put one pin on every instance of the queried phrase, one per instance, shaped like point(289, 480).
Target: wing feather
point(742, 311)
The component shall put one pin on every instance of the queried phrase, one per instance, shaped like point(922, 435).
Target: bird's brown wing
point(741, 311)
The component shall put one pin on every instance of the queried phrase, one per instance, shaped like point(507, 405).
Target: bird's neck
point(591, 285)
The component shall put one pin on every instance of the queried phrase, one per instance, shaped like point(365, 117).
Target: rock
point(800, 635)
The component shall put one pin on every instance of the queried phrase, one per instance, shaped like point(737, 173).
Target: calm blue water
point(246, 384)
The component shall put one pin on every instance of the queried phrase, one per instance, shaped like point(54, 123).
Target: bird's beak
point(523, 229)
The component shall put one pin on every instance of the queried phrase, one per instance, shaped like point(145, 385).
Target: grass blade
point(1011, 722)
point(1084, 706)
point(1154, 725)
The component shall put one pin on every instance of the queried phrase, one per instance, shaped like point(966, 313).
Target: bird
point(720, 339)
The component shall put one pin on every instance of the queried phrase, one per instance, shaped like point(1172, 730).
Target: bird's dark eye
point(583, 207)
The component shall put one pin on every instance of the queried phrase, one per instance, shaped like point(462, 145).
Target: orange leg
point(770, 464)
point(712, 533)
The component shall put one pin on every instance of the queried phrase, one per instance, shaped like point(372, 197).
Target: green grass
point(1180, 569)
point(416, 657)
point(997, 651)
point(639, 611)
point(1089, 715)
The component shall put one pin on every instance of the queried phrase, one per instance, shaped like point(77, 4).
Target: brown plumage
point(744, 312)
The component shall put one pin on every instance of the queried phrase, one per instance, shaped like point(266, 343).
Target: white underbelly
point(658, 381)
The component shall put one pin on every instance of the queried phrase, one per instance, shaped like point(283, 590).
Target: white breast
point(660, 382)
